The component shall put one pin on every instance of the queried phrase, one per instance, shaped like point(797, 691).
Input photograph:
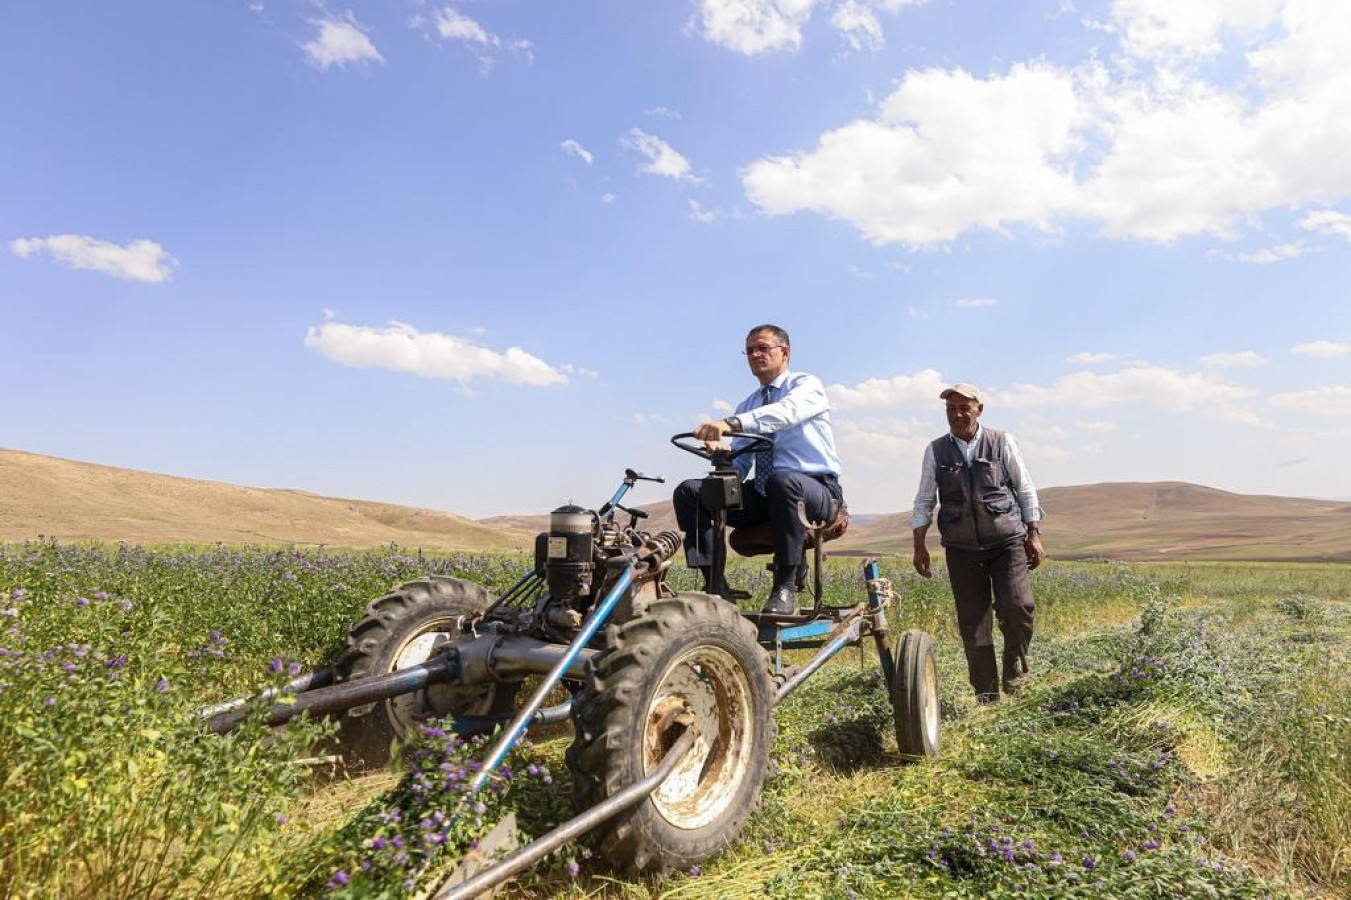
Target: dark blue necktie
point(764, 457)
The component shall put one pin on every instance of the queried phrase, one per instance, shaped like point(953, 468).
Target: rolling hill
point(77, 501)
point(1158, 520)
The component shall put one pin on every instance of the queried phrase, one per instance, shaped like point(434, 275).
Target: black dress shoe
point(782, 603)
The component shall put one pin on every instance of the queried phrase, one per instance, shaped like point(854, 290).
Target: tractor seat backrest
point(758, 540)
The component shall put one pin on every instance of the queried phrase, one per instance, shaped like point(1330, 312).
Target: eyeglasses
point(760, 349)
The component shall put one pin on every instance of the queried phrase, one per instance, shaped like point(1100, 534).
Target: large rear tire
point(401, 629)
point(692, 654)
point(914, 696)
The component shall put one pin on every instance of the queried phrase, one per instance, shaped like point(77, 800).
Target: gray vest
point(977, 506)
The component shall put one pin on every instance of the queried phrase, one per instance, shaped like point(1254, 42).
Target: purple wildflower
point(573, 868)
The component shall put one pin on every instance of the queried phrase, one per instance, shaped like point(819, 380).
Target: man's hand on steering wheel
point(711, 432)
point(707, 449)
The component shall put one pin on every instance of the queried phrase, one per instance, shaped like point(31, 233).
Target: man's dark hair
point(779, 334)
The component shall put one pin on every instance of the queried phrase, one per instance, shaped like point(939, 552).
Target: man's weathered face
point(963, 416)
point(766, 356)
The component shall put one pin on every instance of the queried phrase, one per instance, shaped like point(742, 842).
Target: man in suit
point(792, 409)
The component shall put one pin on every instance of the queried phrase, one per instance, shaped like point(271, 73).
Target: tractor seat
point(758, 540)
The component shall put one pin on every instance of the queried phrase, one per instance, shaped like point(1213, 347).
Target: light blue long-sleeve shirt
point(1023, 488)
point(798, 419)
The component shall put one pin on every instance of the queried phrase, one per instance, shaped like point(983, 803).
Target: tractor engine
point(568, 550)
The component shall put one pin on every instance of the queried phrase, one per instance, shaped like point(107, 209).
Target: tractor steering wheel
point(753, 442)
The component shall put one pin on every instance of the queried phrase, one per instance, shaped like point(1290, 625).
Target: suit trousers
point(998, 579)
point(778, 506)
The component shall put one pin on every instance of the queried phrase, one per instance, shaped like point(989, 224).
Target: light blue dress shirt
point(798, 419)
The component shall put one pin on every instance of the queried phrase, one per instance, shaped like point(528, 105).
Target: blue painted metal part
point(849, 634)
point(820, 628)
point(518, 725)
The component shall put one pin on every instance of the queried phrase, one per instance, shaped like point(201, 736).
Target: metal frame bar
point(513, 732)
point(578, 825)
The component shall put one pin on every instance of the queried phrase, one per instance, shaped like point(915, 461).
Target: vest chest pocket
point(989, 473)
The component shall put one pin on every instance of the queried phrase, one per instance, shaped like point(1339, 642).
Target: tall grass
point(1184, 734)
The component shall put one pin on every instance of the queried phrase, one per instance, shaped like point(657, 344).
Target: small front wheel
point(687, 659)
point(914, 695)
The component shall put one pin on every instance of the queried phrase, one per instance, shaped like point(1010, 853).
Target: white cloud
point(1322, 349)
point(922, 388)
point(1088, 358)
point(1165, 29)
point(572, 148)
point(1152, 386)
point(1278, 253)
point(579, 371)
point(1148, 150)
point(1327, 221)
point(607, 198)
point(1095, 427)
point(450, 24)
point(340, 41)
point(973, 302)
point(858, 24)
point(662, 159)
point(947, 152)
point(915, 312)
point(402, 348)
point(885, 454)
point(755, 26)
point(661, 112)
point(137, 261)
point(1246, 358)
point(723, 406)
point(700, 213)
point(1323, 401)
point(454, 25)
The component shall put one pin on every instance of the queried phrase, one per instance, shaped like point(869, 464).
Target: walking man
point(791, 408)
point(988, 518)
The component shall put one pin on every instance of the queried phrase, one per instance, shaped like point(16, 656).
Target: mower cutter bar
point(544, 845)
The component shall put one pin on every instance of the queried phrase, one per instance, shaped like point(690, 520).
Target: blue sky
point(481, 256)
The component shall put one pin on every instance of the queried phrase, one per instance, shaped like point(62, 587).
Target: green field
point(1185, 734)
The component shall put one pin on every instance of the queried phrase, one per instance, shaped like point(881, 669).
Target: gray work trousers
point(985, 580)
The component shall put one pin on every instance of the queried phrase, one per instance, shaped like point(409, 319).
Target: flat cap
point(969, 391)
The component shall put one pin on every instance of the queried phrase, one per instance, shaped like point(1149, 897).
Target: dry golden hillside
point(1163, 520)
point(77, 501)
